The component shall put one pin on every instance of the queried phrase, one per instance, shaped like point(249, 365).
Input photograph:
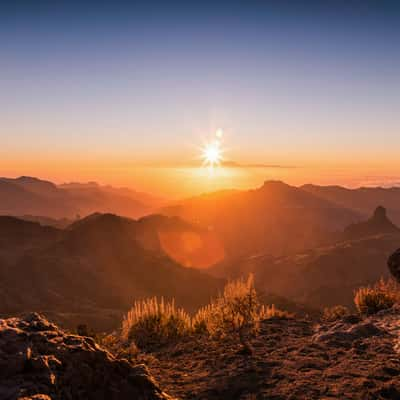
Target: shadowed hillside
point(326, 275)
point(96, 267)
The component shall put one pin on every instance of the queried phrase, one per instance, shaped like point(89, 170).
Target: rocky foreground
point(291, 359)
point(39, 361)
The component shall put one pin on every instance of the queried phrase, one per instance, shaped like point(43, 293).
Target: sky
point(127, 93)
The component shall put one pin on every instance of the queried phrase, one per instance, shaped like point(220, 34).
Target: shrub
point(152, 322)
point(370, 300)
point(236, 310)
point(270, 312)
point(202, 320)
point(112, 342)
point(334, 313)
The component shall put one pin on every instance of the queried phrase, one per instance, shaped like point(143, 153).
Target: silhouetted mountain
point(95, 265)
point(276, 218)
point(148, 199)
point(378, 224)
point(34, 185)
point(363, 199)
point(32, 196)
point(47, 221)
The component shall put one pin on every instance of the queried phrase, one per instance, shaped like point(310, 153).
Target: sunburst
point(212, 154)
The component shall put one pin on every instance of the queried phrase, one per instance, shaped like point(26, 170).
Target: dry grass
point(381, 296)
point(152, 322)
point(270, 312)
point(335, 313)
point(236, 310)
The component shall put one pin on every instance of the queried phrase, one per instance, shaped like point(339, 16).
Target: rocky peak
point(40, 361)
point(378, 224)
point(380, 214)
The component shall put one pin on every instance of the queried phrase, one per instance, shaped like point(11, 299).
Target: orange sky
point(180, 179)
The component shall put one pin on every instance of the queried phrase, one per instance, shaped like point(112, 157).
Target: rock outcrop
point(394, 265)
point(39, 361)
point(378, 224)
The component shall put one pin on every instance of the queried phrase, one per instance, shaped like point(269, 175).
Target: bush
point(335, 313)
point(152, 322)
point(271, 312)
point(236, 310)
point(112, 342)
point(370, 300)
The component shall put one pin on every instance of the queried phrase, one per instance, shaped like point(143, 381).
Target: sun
point(212, 154)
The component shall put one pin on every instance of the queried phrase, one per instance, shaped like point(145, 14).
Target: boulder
point(38, 360)
point(394, 265)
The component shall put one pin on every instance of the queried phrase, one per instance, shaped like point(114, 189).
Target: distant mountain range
point(38, 198)
point(306, 245)
point(92, 271)
point(276, 218)
point(363, 200)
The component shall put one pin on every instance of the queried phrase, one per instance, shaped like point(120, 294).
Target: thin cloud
point(225, 164)
point(234, 164)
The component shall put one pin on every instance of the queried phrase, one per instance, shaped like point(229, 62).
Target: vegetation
point(151, 322)
point(236, 311)
point(381, 296)
point(270, 312)
point(335, 313)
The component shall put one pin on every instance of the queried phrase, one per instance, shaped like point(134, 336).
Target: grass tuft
point(382, 296)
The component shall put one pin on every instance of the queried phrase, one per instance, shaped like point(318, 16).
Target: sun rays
point(212, 152)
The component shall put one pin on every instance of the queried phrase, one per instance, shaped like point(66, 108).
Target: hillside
point(293, 359)
point(35, 197)
point(325, 275)
point(352, 358)
point(92, 271)
point(275, 218)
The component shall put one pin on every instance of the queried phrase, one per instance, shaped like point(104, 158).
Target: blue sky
point(290, 82)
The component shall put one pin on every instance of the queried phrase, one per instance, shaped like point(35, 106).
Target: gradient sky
point(93, 90)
